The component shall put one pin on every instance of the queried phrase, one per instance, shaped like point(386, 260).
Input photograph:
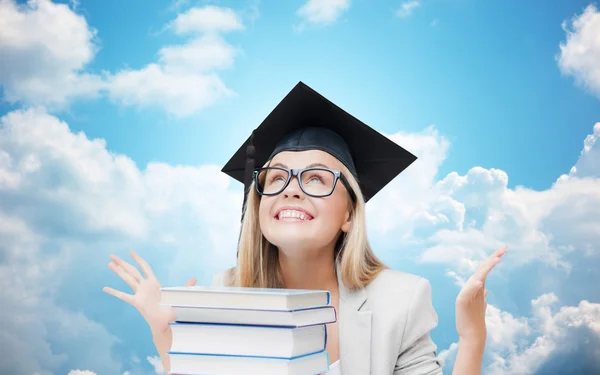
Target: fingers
point(191, 282)
point(133, 283)
point(489, 264)
point(120, 295)
point(127, 267)
point(143, 265)
point(500, 251)
point(470, 290)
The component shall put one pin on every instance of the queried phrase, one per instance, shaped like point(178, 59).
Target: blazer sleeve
point(418, 352)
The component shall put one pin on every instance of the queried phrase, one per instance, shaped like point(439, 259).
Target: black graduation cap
point(304, 120)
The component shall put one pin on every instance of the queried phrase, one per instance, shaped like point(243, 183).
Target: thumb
point(472, 288)
point(191, 282)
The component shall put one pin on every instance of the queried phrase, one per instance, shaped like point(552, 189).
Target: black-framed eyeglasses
point(315, 181)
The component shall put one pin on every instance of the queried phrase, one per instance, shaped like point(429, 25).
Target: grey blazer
point(384, 328)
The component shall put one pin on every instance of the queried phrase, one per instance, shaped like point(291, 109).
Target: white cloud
point(200, 55)
point(184, 80)
point(37, 334)
point(80, 180)
point(407, 8)
point(588, 164)
point(98, 192)
point(70, 203)
point(323, 12)
point(416, 182)
point(209, 19)
point(156, 363)
point(155, 86)
point(45, 48)
point(518, 346)
point(458, 220)
point(580, 55)
point(81, 372)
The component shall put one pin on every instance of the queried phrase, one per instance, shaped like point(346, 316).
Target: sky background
point(116, 118)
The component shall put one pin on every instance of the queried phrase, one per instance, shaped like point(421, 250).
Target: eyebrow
point(308, 166)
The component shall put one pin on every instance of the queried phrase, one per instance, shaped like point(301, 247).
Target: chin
point(294, 237)
point(297, 240)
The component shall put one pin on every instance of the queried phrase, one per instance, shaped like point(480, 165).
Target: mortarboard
point(305, 120)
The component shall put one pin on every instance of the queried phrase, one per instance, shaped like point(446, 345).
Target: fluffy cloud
point(458, 220)
point(580, 54)
point(101, 193)
point(37, 333)
point(65, 203)
point(518, 346)
point(45, 48)
point(184, 79)
point(407, 8)
point(588, 164)
point(323, 12)
point(210, 19)
point(155, 86)
point(157, 364)
point(33, 247)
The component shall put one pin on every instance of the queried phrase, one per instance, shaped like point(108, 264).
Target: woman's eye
point(313, 179)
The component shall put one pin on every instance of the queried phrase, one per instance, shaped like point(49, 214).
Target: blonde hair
point(258, 259)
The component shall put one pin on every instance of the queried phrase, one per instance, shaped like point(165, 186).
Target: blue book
point(244, 298)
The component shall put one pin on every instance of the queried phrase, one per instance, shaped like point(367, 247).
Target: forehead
point(302, 159)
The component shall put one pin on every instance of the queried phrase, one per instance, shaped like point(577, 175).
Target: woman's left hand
point(471, 303)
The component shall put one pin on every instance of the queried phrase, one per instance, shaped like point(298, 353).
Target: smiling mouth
point(293, 215)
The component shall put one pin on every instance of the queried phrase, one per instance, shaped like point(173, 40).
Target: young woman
point(304, 227)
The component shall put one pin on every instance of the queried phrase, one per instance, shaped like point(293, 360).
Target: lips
point(293, 214)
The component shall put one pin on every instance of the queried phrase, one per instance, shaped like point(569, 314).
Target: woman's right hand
point(146, 297)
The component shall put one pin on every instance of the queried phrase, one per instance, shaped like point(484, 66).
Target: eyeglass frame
point(296, 172)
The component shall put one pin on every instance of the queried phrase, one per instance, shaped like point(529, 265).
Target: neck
point(309, 273)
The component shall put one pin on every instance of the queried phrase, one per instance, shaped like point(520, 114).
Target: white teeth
point(292, 214)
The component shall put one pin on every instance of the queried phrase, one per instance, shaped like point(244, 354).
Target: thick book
point(244, 298)
point(283, 318)
point(247, 340)
point(200, 364)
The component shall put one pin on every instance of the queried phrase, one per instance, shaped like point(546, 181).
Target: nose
point(293, 189)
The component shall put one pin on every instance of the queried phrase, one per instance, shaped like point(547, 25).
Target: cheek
point(334, 210)
point(264, 210)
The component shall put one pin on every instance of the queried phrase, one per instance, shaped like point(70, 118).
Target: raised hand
point(471, 303)
point(146, 297)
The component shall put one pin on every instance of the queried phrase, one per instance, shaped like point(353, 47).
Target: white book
point(283, 318)
point(247, 340)
point(194, 364)
point(244, 298)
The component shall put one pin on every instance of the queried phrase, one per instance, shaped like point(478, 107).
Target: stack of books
point(229, 330)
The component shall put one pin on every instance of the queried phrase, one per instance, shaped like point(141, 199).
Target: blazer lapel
point(354, 331)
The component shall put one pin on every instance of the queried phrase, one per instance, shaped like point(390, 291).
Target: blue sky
point(486, 74)
point(116, 117)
